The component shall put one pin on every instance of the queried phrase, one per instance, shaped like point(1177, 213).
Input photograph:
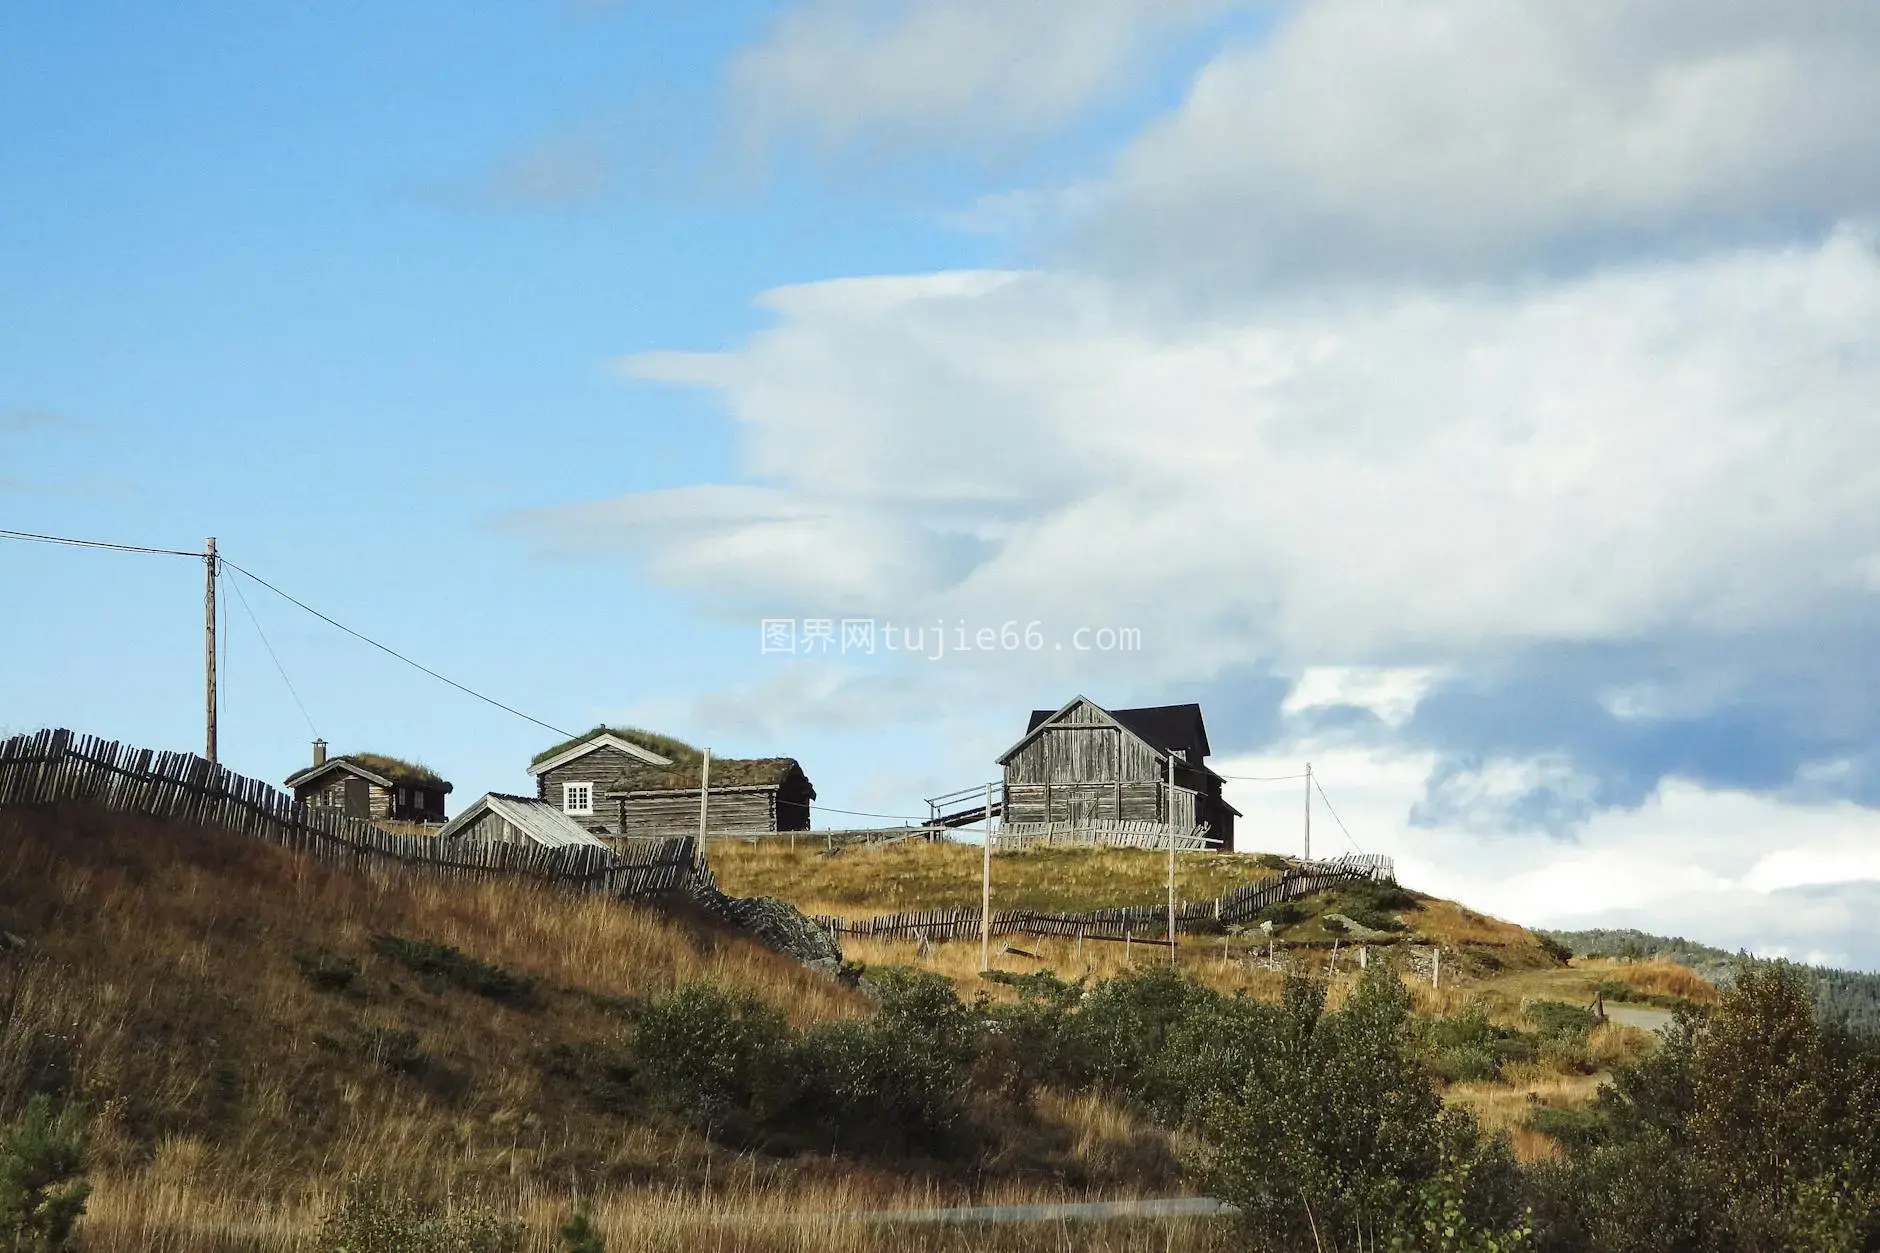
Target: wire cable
point(1262, 778)
point(36, 538)
point(392, 652)
point(1335, 818)
point(279, 668)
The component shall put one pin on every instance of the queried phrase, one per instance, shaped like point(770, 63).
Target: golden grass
point(738, 1213)
point(864, 880)
point(1654, 978)
point(1504, 1105)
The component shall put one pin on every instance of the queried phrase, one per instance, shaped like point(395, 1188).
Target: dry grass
point(860, 881)
point(164, 982)
point(1504, 1105)
point(1653, 978)
point(736, 1214)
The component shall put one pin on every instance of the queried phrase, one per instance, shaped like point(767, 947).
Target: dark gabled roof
point(726, 772)
point(1162, 727)
point(379, 768)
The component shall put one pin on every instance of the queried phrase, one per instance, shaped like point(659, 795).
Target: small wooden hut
point(1087, 764)
point(372, 786)
point(623, 781)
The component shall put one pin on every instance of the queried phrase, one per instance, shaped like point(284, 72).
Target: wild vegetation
point(211, 1044)
point(1848, 997)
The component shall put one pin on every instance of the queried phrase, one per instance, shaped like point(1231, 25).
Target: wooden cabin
point(621, 781)
point(1085, 763)
point(496, 818)
point(372, 786)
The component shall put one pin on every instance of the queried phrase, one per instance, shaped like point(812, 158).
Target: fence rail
point(54, 766)
point(1235, 907)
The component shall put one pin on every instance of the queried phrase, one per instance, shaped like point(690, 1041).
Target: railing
point(55, 766)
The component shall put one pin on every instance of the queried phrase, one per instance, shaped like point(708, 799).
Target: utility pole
point(1171, 859)
point(985, 892)
point(209, 561)
point(704, 801)
point(1308, 811)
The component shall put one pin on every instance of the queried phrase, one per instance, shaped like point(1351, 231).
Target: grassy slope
point(165, 979)
point(1490, 964)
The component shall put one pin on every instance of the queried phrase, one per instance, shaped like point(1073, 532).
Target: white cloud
point(1407, 478)
point(1469, 135)
point(1391, 693)
point(1720, 866)
point(866, 71)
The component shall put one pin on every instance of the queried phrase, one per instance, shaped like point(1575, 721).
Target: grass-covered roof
point(726, 772)
point(397, 769)
point(676, 750)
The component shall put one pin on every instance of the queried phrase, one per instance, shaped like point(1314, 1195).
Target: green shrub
point(1467, 1046)
point(327, 971)
point(874, 1083)
point(718, 1059)
point(42, 1178)
point(1281, 914)
point(440, 965)
point(579, 1235)
point(370, 1219)
point(1272, 861)
point(1554, 948)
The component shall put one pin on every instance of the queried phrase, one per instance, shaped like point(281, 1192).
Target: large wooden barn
point(1087, 764)
point(620, 781)
point(371, 786)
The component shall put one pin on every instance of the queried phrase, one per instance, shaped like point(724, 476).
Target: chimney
point(319, 752)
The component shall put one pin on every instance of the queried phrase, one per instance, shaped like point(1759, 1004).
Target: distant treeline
point(1848, 997)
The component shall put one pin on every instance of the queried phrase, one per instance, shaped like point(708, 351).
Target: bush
point(718, 1059)
point(1281, 914)
point(370, 1219)
point(579, 1235)
point(42, 1178)
point(440, 965)
point(1467, 1046)
point(874, 1083)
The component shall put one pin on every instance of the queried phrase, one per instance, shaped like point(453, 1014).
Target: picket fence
point(1233, 909)
point(54, 766)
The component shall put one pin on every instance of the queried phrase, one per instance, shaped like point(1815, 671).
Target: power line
point(392, 652)
point(279, 668)
point(1335, 818)
point(36, 538)
point(1262, 778)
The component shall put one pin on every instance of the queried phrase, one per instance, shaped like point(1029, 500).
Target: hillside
point(250, 1028)
point(861, 881)
point(1848, 997)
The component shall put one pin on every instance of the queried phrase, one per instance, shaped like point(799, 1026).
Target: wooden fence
point(1099, 832)
point(54, 766)
point(1236, 907)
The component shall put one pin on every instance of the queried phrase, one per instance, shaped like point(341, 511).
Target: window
point(577, 798)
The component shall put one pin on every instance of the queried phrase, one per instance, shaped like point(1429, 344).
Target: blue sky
point(1478, 402)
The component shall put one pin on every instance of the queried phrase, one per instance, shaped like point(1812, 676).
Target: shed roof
point(537, 819)
point(379, 768)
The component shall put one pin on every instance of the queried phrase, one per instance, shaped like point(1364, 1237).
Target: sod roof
point(726, 772)
point(665, 745)
point(397, 769)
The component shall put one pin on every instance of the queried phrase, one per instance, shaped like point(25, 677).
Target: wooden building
point(372, 786)
point(495, 818)
point(1084, 763)
point(619, 781)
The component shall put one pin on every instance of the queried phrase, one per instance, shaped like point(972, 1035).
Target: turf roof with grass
point(676, 750)
point(397, 769)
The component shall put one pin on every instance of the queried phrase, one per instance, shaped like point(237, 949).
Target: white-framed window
point(577, 799)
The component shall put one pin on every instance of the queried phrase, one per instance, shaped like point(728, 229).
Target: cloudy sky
point(1476, 400)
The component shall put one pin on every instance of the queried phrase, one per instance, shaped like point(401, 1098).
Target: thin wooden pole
point(985, 892)
point(1308, 856)
point(208, 648)
point(704, 801)
point(1171, 859)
